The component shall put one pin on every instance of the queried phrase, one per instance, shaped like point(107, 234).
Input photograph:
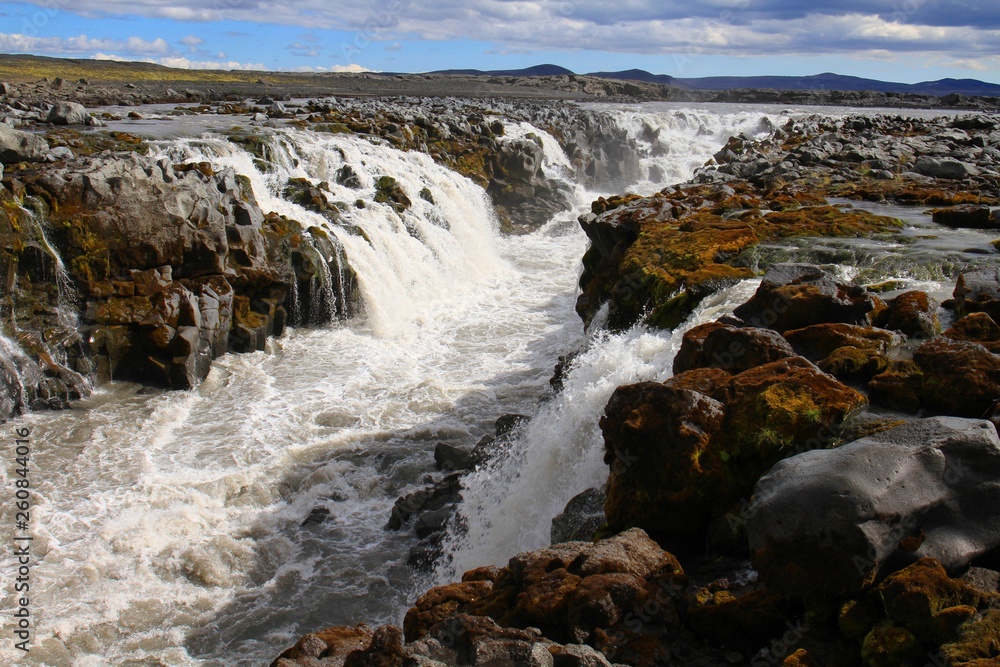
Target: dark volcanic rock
point(581, 518)
point(733, 349)
point(832, 520)
point(959, 377)
point(912, 313)
point(793, 296)
point(680, 459)
point(979, 291)
point(175, 264)
point(969, 216)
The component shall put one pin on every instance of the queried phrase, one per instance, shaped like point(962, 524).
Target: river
point(169, 524)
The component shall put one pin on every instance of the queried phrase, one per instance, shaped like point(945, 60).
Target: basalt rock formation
point(132, 268)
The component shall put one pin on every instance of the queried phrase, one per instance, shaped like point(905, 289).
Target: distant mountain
point(825, 81)
point(830, 81)
point(537, 70)
point(639, 75)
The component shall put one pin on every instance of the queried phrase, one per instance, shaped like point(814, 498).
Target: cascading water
point(170, 524)
point(507, 506)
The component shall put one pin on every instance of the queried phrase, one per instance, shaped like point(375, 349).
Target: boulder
point(655, 439)
point(580, 520)
point(912, 313)
point(680, 458)
point(819, 341)
point(966, 216)
point(793, 296)
point(450, 458)
point(385, 650)
point(67, 113)
point(948, 168)
point(334, 643)
point(779, 409)
point(978, 291)
point(733, 349)
point(573, 592)
point(17, 146)
point(832, 521)
point(978, 328)
point(898, 387)
point(960, 378)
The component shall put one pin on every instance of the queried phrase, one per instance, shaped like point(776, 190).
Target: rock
point(17, 146)
point(334, 643)
point(922, 597)
point(450, 458)
point(59, 153)
point(578, 655)
point(507, 424)
point(977, 645)
point(317, 515)
point(573, 592)
point(388, 191)
point(655, 439)
point(746, 621)
point(433, 498)
point(781, 408)
point(898, 387)
point(440, 603)
point(960, 378)
point(793, 296)
point(67, 113)
point(347, 177)
point(385, 650)
point(948, 168)
point(819, 341)
point(968, 216)
point(732, 349)
point(669, 446)
point(831, 521)
point(912, 313)
point(978, 291)
point(480, 642)
point(177, 265)
point(581, 518)
point(977, 328)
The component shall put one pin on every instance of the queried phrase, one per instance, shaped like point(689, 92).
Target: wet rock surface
point(830, 520)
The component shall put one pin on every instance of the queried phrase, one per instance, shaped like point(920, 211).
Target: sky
point(898, 40)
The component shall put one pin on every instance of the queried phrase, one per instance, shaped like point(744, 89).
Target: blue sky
point(900, 40)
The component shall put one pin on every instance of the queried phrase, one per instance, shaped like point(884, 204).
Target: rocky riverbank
point(816, 484)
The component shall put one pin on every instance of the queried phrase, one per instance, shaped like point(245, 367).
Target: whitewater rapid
point(169, 527)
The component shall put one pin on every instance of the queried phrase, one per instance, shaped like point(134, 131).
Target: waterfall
point(507, 505)
point(408, 262)
point(675, 141)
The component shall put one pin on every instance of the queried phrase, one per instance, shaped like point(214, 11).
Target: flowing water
point(169, 525)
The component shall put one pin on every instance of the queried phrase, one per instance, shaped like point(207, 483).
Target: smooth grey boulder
point(833, 521)
point(945, 168)
point(17, 146)
point(67, 113)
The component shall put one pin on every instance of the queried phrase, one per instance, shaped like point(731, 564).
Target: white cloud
point(180, 62)
point(352, 68)
point(339, 69)
point(192, 40)
point(963, 31)
point(80, 45)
